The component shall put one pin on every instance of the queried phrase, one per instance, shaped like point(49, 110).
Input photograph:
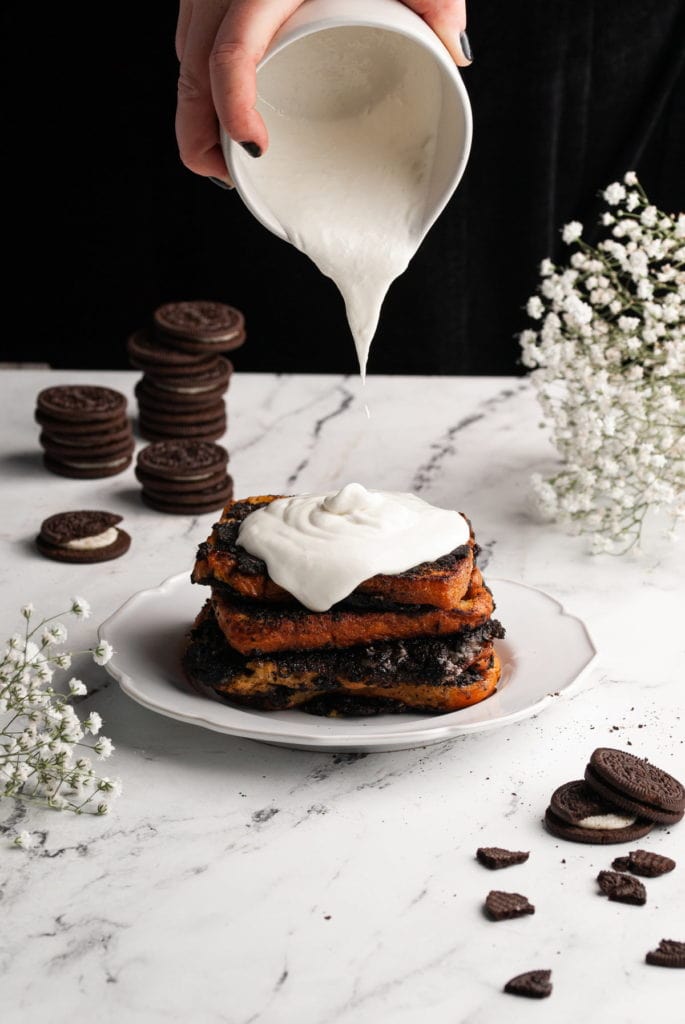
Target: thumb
point(447, 18)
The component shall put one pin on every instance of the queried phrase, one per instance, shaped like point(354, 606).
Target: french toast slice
point(221, 562)
point(435, 674)
point(252, 627)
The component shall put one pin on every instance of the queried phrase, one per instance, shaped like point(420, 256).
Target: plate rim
point(420, 736)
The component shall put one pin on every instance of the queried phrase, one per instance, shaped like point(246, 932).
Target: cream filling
point(98, 540)
point(96, 465)
point(610, 821)
point(187, 391)
point(320, 547)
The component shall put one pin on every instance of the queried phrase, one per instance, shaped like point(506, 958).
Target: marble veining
point(236, 883)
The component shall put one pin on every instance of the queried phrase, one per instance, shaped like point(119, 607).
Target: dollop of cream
point(98, 540)
point(602, 821)
point(320, 547)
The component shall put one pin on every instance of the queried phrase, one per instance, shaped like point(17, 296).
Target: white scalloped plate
point(545, 654)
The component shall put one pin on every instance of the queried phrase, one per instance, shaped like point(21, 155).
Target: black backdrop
point(102, 222)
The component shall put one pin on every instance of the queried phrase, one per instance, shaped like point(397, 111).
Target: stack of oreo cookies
point(185, 374)
point(85, 431)
point(184, 477)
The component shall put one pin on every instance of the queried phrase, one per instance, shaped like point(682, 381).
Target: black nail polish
point(465, 46)
point(219, 182)
point(252, 148)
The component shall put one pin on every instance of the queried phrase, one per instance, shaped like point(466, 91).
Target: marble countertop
point(241, 883)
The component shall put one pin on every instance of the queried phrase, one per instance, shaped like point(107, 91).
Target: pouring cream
point(353, 116)
point(320, 547)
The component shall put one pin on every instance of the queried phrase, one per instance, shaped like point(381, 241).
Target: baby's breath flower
point(614, 193)
point(24, 840)
point(572, 232)
point(55, 634)
point(608, 362)
point(80, 608)
point(102, 653)
point(93, 723)
point(104, 748)
point(39, 727)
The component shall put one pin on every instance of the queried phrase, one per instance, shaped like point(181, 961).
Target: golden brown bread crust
point(262, 629)
point(441, 584)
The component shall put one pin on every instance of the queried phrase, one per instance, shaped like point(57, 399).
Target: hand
point(219, 44)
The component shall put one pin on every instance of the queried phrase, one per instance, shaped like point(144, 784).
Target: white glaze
point(97, 540)
point(352, 115)
point(320, 547)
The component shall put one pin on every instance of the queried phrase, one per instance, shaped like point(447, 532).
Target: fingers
point(240, 44)
point(197, 127)
point(447, 18)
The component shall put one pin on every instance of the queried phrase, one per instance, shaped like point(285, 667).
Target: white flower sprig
point(39, 728)
point(608, 361)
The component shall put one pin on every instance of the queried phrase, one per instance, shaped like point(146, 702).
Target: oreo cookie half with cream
point(576, 813)
point(84, 536)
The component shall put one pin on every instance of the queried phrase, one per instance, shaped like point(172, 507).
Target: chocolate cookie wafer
point(632, 783)
point(500, 906)
point(199, 326)
point(622, 888)
point(494, 857)
point(184, 477)
point(645, 863)
point(670, 953)
point(83, 536)
point(532, 984)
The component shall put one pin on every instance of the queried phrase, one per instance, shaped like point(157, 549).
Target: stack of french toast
point(420, 641)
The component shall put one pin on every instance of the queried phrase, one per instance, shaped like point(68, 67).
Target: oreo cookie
point(576, 813)
point(165, 394)
point(84, 536)
point(81, 402)
point(500, 906)
point(153, 429)
point(85, 434)
point(199, 326)
point(669, 953)
point(184, 477)
point(196, 504)
point(494, 857)
point(532, 985)
point(90, 468)
point(632, 783)
point(151, 356)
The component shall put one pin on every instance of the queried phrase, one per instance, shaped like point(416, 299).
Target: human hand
point(219, 44)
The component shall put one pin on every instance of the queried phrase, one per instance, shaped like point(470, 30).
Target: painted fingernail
point(465, 46)
point(252, 148)
point(219, 182)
